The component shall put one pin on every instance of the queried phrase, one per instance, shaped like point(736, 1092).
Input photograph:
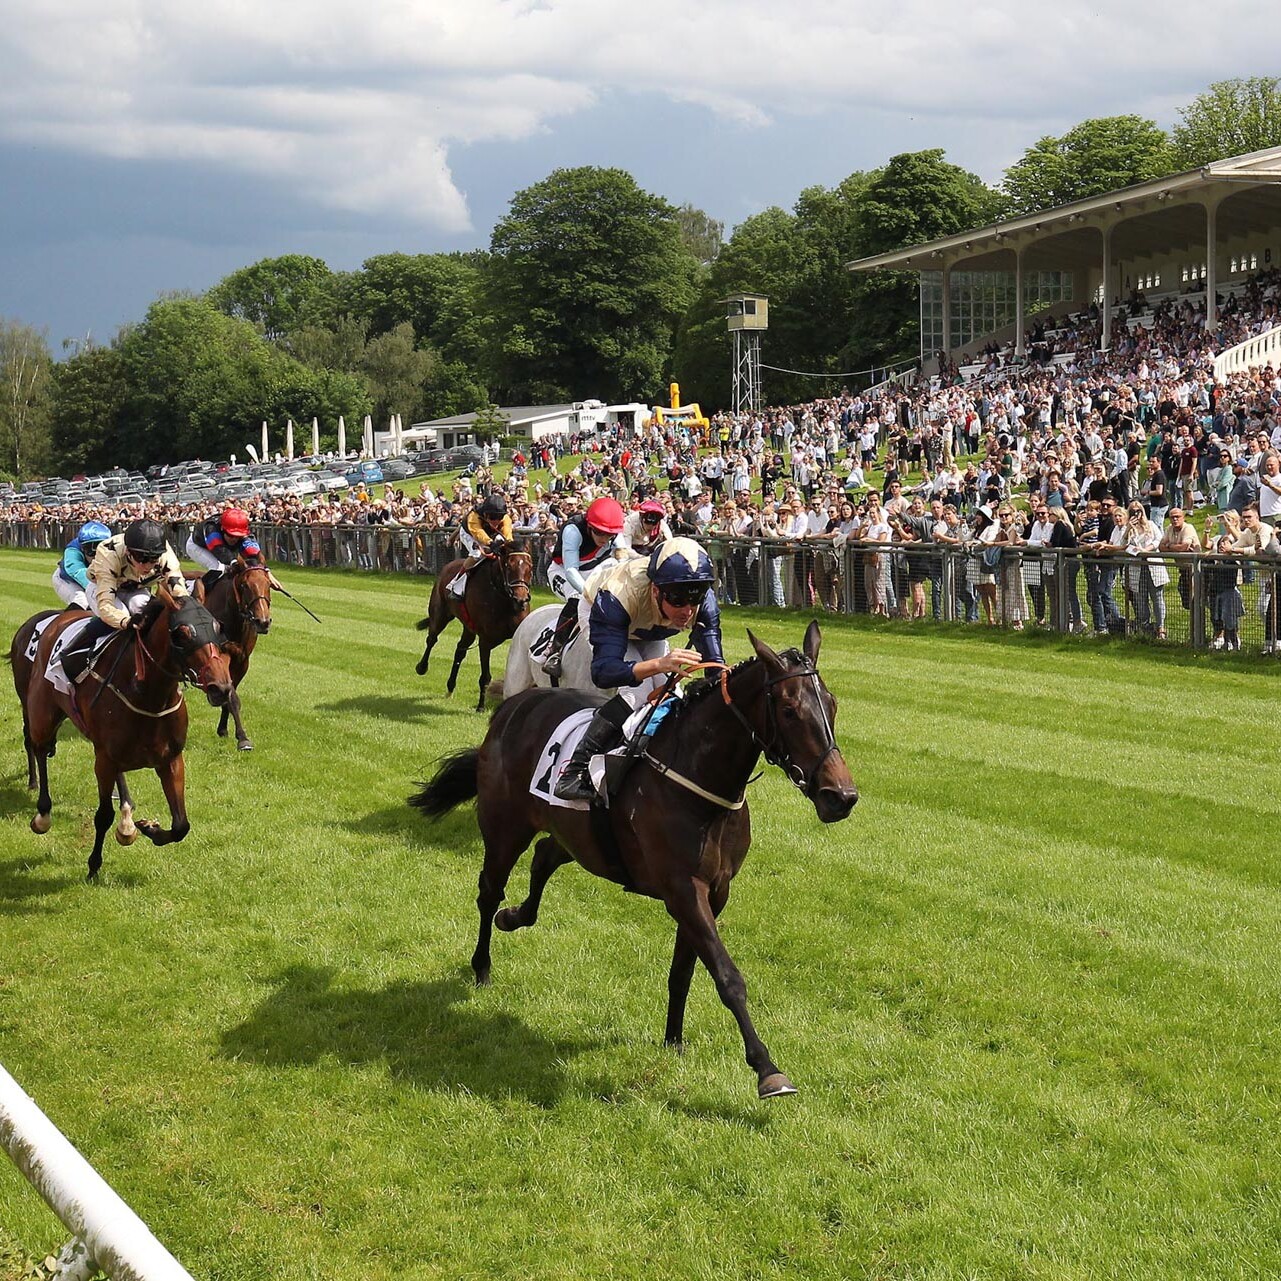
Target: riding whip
point(297, 602)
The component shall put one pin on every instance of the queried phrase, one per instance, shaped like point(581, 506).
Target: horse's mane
point(699, 690)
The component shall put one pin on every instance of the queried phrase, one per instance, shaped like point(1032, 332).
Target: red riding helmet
point(652, 507)
point(235, 523)
point(606, 514)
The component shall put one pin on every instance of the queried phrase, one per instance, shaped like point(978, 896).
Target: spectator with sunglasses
point(126, 567)
point(628, 613)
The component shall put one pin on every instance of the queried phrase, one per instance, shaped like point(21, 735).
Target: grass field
point(1029, 990)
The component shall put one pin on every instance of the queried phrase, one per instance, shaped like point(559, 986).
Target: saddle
point(76, 649)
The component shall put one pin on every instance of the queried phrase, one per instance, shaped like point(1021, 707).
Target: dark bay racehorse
point(678, 827)
point(493, 604)
point(240, 601)
point(130, 707)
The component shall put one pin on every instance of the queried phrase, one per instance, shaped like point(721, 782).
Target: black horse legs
point(549, 854)
point(689, 906)
point(460, 652)
point(503, 847)
point(684, 958)
point(231, 709)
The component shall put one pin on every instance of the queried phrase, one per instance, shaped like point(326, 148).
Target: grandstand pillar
point(1211, 275)
point(1019, 346)
point(1106, 341)
point(947, 310)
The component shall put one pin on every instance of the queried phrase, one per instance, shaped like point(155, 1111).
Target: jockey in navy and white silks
point(629, 612)
point(583, 545)
point(71, 578)
point(485, 526)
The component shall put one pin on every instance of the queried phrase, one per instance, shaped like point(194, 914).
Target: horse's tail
point(454, 783)
point(423, 624)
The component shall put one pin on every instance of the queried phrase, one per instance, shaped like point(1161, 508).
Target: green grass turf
point(1029, 989)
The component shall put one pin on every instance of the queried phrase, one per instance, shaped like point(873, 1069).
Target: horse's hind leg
point(549, 854)
point(690, 907)
point(104, 769)
point(460, 652)
point(504, 844)
point(437, 618)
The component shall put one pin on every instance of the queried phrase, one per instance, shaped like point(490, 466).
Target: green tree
point(587, 281)
point(490, 422)
point(1093, 157)
point(197, 381)
point(88, 396)
point(275, 294)
point(25, 375)
point(396, 371)
point(701, 235)
point(1231, 118)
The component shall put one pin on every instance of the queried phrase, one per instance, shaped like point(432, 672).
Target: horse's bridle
point(773, 750)
point(247, 611)
point(186, 673)
point(514, 588)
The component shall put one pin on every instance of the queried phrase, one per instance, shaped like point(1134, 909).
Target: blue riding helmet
point(93, 532)
point(680, 562)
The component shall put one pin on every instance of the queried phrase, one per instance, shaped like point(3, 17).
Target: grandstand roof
point(1161, 216)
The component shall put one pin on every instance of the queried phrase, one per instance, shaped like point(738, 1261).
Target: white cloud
point(358, 106)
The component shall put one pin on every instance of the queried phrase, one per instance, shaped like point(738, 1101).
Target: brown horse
point(493, 605)
point(132, 710)
point(240, 601)
point(677, 828)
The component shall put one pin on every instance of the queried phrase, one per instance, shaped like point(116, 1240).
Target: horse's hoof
point(244, 745)
point(421, 669)
point(507, 919)
point(149, 828)
point(775, 1086)
point(126, 838)
point(222, 731)
point(41, 824)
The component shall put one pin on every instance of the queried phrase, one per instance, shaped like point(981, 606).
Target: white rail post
point(108, 1235)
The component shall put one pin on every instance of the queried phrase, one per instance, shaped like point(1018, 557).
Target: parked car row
point(197, 481)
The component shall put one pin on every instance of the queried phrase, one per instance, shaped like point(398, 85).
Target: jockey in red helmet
point(217, 543)
point(583, 545)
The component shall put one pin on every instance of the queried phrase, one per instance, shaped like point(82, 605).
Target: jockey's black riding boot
point(603, 733)
point(211, 576)
point(564, 628)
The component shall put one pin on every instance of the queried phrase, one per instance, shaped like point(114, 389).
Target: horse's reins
point(773, 753)
point(247, 611)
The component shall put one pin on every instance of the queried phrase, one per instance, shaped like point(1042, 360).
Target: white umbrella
point(289, 440)
point(315, 438)
point(264, 442)
point(342, 437)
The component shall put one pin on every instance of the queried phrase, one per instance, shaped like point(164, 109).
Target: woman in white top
point(876, 565)
point(1145, 580)
point(1038, 535)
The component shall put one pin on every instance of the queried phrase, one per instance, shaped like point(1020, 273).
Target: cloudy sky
point(150, 145)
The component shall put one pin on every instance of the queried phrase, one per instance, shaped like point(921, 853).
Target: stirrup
point(575, 785)
point(553, 664)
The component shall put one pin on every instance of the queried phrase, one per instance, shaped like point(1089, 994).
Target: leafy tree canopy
point(1091, 158)
point(273, 294)
point(1231, 118)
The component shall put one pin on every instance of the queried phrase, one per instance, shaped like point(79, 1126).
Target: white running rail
point(1250, 354)
point(108, 1236)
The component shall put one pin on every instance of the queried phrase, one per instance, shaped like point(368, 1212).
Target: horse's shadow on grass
point(436, 1035)
point(21, 884)
point(399, 707)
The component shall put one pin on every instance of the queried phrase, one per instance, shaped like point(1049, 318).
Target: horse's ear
point(165, 596)
point(763, 651)
point(813, 639)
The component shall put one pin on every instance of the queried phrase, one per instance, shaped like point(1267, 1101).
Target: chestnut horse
point(132, 710)
point(240, 601)
point(494, 602)
point(677, 828)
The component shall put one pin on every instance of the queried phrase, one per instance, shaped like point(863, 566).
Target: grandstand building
point(1188, 235)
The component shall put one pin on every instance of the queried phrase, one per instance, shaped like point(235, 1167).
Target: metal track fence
point(1192, 600)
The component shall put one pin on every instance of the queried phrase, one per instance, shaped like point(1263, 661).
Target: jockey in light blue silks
point(71, 578)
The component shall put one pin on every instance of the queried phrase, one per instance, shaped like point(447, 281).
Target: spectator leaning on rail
point(126, 567)
point(629, 612)
point(71, 578)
